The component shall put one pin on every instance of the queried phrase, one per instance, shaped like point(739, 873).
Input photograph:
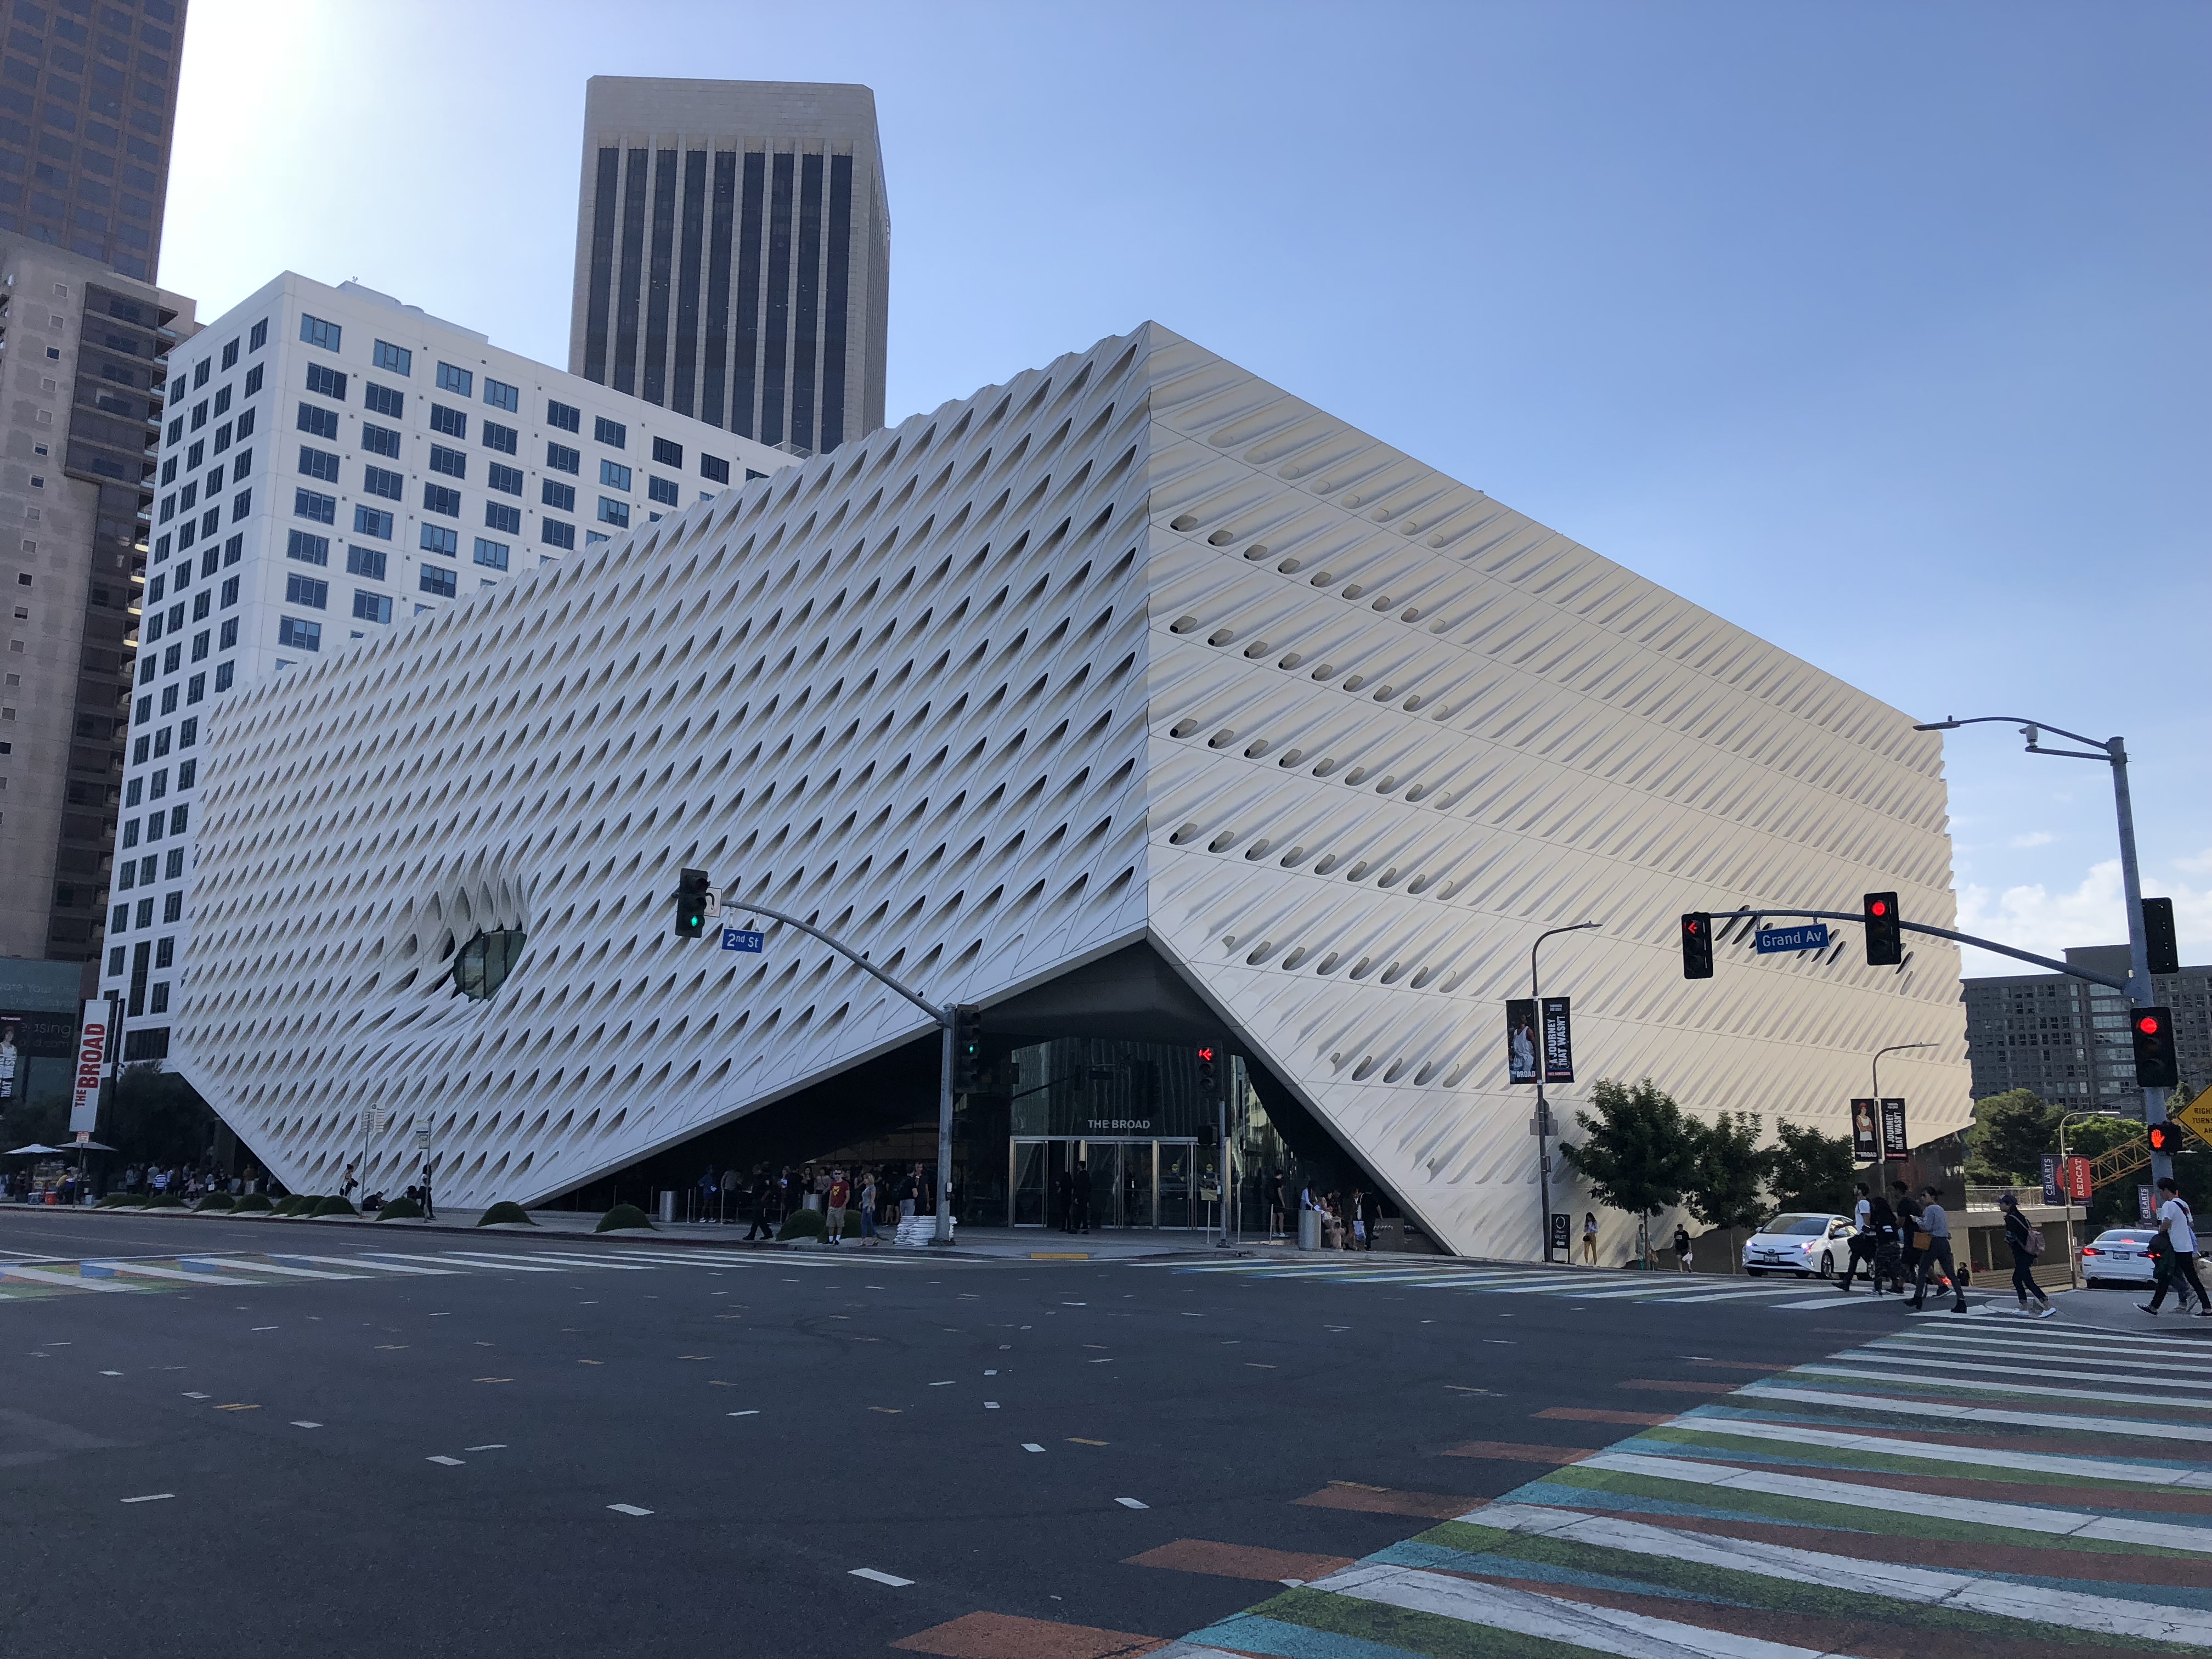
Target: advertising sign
point(1814, 936)
point(2146, 1210)
point(1521, 1040)
point(1893, 1146)
point(1558, 1042)
point(2074, 1177)
point(1865, 1132)
point(1559, 1225)
point(91, 1061)
point(2053, 1192)
point(27, 1036)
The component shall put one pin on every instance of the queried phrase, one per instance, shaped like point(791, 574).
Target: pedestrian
point(868, 1206)
point(2026, 1242)
point(707, 1194)
point(1078, 1194)
point(1863, 1240)
point(1681, 1247)
point(2176, 1225)
point(1908, 1233)
point(1278, 1207)
point(429, 1210)
point(1590, 1238)
point(1881, 1252)
point(840, 1191)
point(1936, 1228)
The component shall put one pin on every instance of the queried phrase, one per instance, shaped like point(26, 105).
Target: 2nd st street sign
point(741, 939)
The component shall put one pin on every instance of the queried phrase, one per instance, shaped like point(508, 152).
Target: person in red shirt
point(840, 1193)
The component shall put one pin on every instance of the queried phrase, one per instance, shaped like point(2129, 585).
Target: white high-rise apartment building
point(334, 464)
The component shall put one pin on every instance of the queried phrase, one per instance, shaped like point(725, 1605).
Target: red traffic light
point(1206, 1053)
point(2148, 1024)
point(1879, 908)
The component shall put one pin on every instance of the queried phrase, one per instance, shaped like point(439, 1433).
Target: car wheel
point(1756, 1272)
point(1804, 1272)
point(1827, 1265)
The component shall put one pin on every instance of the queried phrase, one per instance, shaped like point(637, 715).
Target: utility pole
point(1543, 1110)
point(2113, 752)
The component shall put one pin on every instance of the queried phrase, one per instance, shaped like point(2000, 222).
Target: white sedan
point(2116, 1256)
point(1806, 1244)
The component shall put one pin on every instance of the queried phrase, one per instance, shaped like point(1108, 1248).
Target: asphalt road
point(430, 1463)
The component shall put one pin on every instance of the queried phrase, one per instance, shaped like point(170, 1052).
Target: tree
point(2012, 1132)
point(1811, 1170)
point(156, 1116)
point(1640, 1154)
point(1728, 1187)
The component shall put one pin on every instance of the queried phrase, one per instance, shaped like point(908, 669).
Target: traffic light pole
point(1991, 945)
point(2113, 752)
point(943, 1234)
point(1543, 1110)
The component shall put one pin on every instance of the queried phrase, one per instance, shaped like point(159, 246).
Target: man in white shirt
point(2178, 1223)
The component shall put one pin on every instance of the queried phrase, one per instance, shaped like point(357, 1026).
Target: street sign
point(1814, 936)
point(1560, 1224)
point(1521, 1040)
point(2197, 1116)
point(1558, 1042)
point(1543, 1123)
point(741, 939)
point(1893, 1146)
point(84, 1137)
point(2053, 1190)
point(714, 903)
point(2074, 1178)
point(1866, 1136)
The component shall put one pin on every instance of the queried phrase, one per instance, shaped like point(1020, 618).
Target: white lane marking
point(755, 1412)
point(371, 1262)
point(1031, 1445)
point(2142, 1427)
point(441, 1263)
point(302, 1423)
point(2066, 1353)
point(628, 1508)
point(267, 1328)
point(990, 1373)
point(1927, 1587)
point(450, 1463)
point(563, 1260)
point(1741, 1296)
point(2106, 1396)
point(1985, 1363)
point(177, 1273)
point(497, 1445)
point(503, 1264)
point(892, 1579)
point(1572, 1624)
point(150, 1497)
point(1132, 1504)
point(990, 1405)
point(940, 1385)
point(198, 1396)
point(68, 1282)
point(2088, 1468)
point(233, 1266)
point(2041, 1334)
point(111, 1373)
point(1978, 1511)
point(1680, 1293)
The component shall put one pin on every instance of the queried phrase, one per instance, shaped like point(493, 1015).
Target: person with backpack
point(1935, 1254)
point(1874, 1242)
point(2027, 1242)
point(2177, 1229)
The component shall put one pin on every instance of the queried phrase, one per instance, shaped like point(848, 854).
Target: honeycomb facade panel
point(1134, 649)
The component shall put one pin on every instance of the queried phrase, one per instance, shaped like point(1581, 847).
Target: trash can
point(1309, 1229)
point(668, 1206)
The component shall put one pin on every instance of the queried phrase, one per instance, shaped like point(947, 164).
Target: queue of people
point(766, 1197)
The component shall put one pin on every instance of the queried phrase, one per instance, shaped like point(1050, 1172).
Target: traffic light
point(2161, 1138)
point(1885, 940)
point(1205, 1091)
point(2158, 935)
point(692, 903)
point(2156, 1065)
point(1696, 945)
point(967, 1048)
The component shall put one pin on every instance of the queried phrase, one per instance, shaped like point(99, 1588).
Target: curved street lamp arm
point(1948, 724)
point(942, 1016)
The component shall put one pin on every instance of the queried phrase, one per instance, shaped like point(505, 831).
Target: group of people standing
point(1907, 1235)
point(769, 1197)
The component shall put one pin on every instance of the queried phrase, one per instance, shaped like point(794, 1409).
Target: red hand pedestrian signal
point(2161, 1138)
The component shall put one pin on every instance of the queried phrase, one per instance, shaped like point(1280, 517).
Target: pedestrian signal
point(692, 903)
point(2156, 1066)
point(2161, 1138)
point(1696, 945)
point(1885, 939)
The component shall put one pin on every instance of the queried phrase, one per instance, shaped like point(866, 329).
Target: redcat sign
point(91, 1061)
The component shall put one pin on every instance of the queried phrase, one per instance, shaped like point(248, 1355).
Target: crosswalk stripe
point(1985, 1364)
point(2145, 1428)
point(447, 1262)
point(233, 1265)
point(547, 1256)
point(1945, 1342)
point(382, 1266)
point(2089, 1469)
point(1971, 1383)
point(68, 1281)
point(141, 1270)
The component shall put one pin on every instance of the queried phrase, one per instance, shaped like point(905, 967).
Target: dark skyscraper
point(732, 254)
point(87, 107)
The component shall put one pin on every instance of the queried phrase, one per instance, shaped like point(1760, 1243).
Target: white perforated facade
point(1136, 647)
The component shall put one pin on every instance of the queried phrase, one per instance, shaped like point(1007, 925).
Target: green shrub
point(504, 1210)
point(293, 1203)
point(213, 1201)
point(120, 1202)
point(623, 1215)
point(400, 1209)
point(803, 1223)
point(164, 1201)
point(253, 1201)
point(334, 1205)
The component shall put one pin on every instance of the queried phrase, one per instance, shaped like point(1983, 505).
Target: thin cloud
point(2035, 918)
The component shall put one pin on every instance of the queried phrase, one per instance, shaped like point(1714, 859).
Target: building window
point(229, 593)
point(300, 545)
point(490, 553)
point(713, 467)
point(436, 578)
point(240, 505)
point(438, 538)
point(451, 378)
point(504, 439)
point(317, 332)
point(384, 400)
point(115, 956)
point(554, 533)
point(245, 419)
point(667, 453)
point(562, 458)
point(312, 591)
point(226, 672)
point(379, 440)
point(613, 476)
point(499, 395)
point(566, 416)
point(321, 422)
point(322, 380)
point(173, 909)
point(436, 498)
point(372, 522)
point(318, 464)
point(371, 607)
point(187, 774)
point(398, 359)
point(257, 335)
point(453, 463)
point(253, 380)
point(663, 491)
point(365, 561)
point(313, 504)
point(498, 516)
point(507, 480)
point(379, 481)
point(614, 512)
point(556, 494)
point(451, 422)
point(613, 433)
point(296, 635)
point(484, 963)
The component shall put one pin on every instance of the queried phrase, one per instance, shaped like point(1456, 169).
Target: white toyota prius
point(1807, 1244)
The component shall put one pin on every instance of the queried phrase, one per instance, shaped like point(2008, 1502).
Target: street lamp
point(2113, 752)
point(2066, 1191)
point(1543, 1112)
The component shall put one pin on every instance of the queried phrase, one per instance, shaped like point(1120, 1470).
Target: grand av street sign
point(1813, 936)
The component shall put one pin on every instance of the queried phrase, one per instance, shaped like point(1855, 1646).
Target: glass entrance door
point(1178, 1180)
point(1133, 1183)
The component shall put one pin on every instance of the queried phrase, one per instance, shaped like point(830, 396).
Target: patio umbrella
point(36, 1149)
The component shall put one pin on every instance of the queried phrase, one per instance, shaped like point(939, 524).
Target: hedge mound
point(504, 1210)
point(294, 1204)
point(334, 1205)
point(400, 1209)
point(253, 1201)
point(163, 1201)
point(119, 1201)
point(803, 1223)
point(213, 1201)
point(623, 1215)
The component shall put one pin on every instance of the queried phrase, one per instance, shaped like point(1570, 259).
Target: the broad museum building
point(1136, 702)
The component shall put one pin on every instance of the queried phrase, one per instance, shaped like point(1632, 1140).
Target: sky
point(1879, 329)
